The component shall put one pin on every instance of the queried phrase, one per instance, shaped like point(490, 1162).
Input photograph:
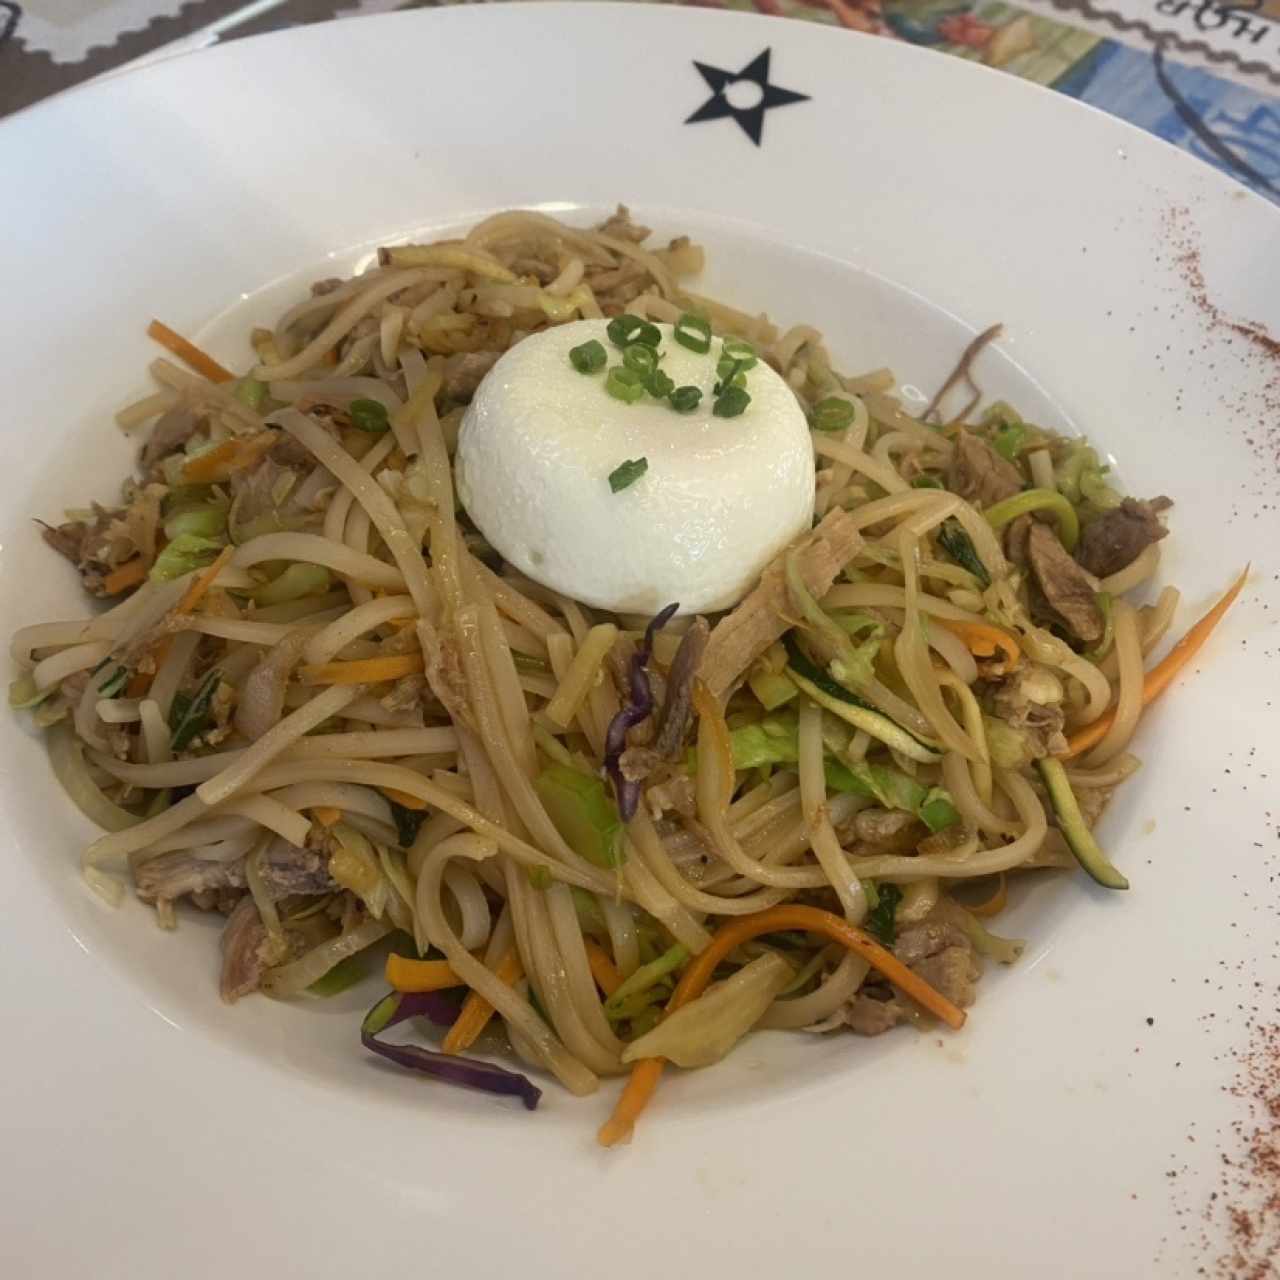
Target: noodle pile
point(321, 704)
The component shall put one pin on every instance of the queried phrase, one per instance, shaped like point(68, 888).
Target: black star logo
point(750, 119)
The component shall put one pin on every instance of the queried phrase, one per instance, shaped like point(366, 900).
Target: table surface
point(1203, 76)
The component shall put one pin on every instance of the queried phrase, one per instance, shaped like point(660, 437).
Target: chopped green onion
point(189, 714)
point(583, 812)
point(693, 332)
point(743, 354)
point(658, 385)
point(370, 416)
point(624, 384)
point(627, 473)
point(731, 402)
point(831, 414)
point(640, 359)
point(251, 392)
point(185, 553)
point(590, 357)
point(623, 330)
point(1003, 513)
point(927, 481)
point(686, 399)
point(1008, 440)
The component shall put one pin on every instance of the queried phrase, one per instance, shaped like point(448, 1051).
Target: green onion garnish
point(686, 399)
point(658, 385)
point(370, 416)
point(627, 473)
point(693, 332)
point(625, 329)
point(590, 357)
point(730, 402)
point(926, 481)
point(624, 384)
point(831, 414)
point(741, 352)
point(643, 360)
point(731, 374)
point(114, 685)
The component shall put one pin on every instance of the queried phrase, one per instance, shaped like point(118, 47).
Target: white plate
point(911, 200)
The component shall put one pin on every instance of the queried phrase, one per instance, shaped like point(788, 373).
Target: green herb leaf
point(627, 473)
point(730, 402)
point(114, 685)
point(959, 546)
point(407, 822)
point(188, 718)
point(694, 333)
point(831, 414)
point(590, 357)
point(880, 922)
point(624, 384)
point(686, 399)
point(370, 416)
point(623, 330)
point(927, 481)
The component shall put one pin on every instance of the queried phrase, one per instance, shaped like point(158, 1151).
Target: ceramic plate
point(901, 202)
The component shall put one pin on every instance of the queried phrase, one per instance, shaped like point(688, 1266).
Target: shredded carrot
point(127, 575)
point(139, 683)
point(200, 584)
point(1158, 679)
point(995, 904)
point(983, 641)
point(226, 459)
point(607, 977)
point(326, 815)
point(188, 352)
point(476, 1011)
point(648, 1071)
point(362, 671)
point(421, 975)
point(403, 798)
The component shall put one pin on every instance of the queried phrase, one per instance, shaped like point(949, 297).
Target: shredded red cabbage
point(637, 707)
point(397, 1006)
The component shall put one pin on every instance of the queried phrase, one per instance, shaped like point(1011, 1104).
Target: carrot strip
point(403, 798)
point(139, 682)
point(476, 1010)
point(420, 975)
point(362, 671)
point(226, 459)
point(125, 576)
point(648, 1071)
point(1158, 679)
point(200, 584)
point(188, 352)
point(995, 904)
point(983, 641)
point(607, 977)
point(326, 815)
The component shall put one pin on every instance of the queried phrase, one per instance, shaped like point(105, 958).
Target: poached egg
point(720, 497)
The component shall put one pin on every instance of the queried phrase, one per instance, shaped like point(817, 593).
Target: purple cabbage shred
point(397, 1006)
point(638, 707)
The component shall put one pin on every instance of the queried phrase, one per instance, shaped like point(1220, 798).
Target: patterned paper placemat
point(1203, 76)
